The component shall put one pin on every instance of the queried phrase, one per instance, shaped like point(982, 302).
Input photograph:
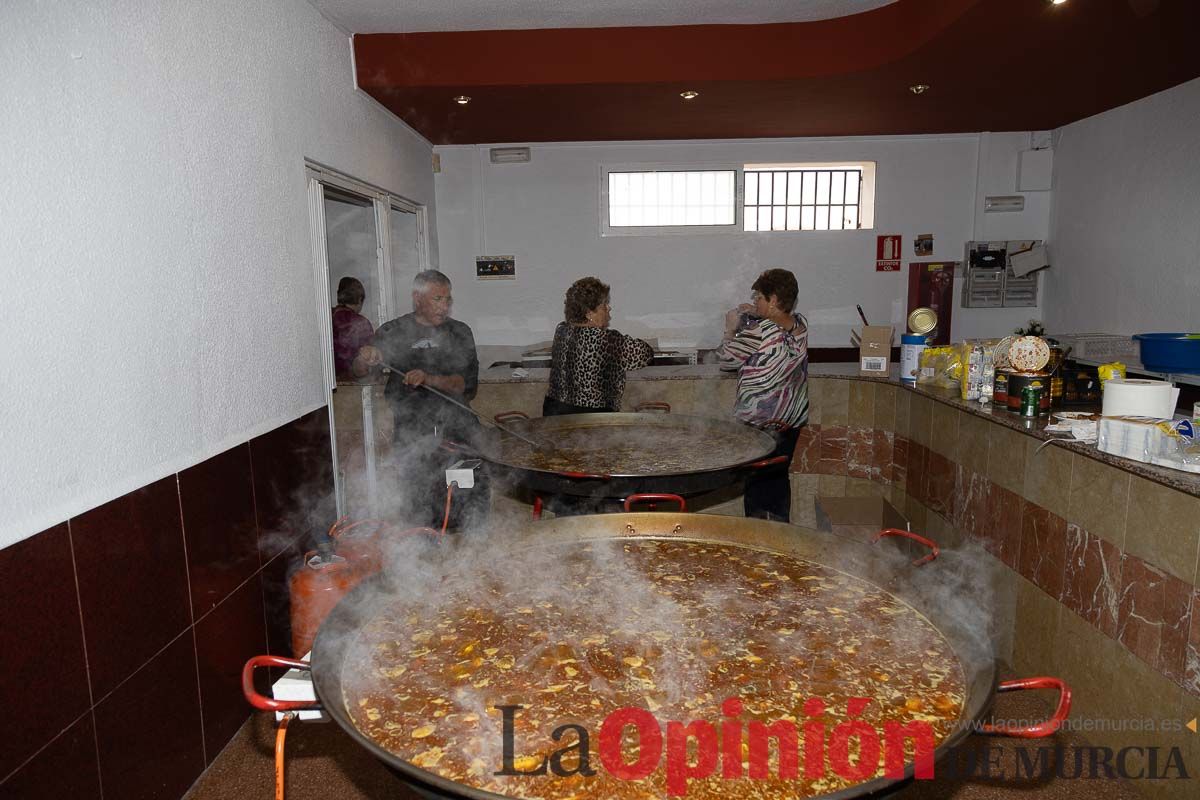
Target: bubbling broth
point(674, 627)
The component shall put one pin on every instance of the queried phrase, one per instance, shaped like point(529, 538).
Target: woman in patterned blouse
point(770, 356)
point(589, 359)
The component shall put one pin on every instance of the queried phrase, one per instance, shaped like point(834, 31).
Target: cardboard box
point(858, 518)
point(875, 351)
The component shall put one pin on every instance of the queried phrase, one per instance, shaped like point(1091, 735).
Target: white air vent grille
point(509, 155)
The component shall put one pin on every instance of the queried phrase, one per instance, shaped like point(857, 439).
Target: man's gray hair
point(429, 278)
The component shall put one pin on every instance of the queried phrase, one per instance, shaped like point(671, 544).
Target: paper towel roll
point(1134, 397)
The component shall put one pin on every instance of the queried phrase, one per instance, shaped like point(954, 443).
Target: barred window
point(655, 199)
point(806, 199)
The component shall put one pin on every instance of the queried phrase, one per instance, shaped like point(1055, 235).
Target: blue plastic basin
point(1170, 352)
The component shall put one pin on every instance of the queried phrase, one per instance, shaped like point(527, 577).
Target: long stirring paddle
point(466, 407)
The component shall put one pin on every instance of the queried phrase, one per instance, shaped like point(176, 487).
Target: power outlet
point(463, 473)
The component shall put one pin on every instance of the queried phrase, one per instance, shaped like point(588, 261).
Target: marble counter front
point(1036, 427)
point(1096, 559)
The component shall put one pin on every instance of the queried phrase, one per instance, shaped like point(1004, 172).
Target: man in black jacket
point(430, 349)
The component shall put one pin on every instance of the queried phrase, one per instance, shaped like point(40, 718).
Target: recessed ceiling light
point(918, 88)
point(1057, 2)
point(462, 99)
point(689, 95)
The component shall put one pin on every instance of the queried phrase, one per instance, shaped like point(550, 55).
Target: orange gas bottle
point(364, 543)
point(355, 551)
point(360, 543)
point(319, 585)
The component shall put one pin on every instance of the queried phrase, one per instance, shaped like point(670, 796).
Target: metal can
point(922, 320)
point(1055, 367)
point(1031, 401)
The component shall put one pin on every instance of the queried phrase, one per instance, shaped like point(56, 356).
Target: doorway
point(378, 238)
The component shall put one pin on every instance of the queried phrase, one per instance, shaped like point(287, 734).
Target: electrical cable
point(446, 518)
point(280, 736)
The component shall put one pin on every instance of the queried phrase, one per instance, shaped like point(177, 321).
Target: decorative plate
point(1029, 353)
point(1000, 352)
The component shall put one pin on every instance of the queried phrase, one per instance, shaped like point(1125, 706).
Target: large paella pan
point(615, 455)
point(480, 688)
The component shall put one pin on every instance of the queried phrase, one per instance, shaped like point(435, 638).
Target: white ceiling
point(408, 16)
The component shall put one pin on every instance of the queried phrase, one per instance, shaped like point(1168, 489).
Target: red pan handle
point(270, 703)
point(506, 416)
point(1042, 729)
point(650, 498)
point(653, 405)
point(934, 550)
point(768, 462)
point(537, 507)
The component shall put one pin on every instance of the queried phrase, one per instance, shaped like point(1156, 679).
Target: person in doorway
point(771, 360)
point(589, 360)
point(351, 330)
point(428, 348)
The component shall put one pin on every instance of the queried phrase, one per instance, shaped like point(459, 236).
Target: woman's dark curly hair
point(350, 292)
point(585, 294)
point(780, 284)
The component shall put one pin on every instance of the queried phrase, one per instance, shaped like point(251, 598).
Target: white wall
point(159, 305)
point(998, 176)
point(1126, 218)
point(547, 214)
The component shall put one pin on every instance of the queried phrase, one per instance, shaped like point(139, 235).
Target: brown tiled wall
point(124, 629)
point(1118, 550)
point(1102, 564)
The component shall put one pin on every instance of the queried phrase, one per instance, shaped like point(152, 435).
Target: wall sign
point(887, 253)
point(496, 268)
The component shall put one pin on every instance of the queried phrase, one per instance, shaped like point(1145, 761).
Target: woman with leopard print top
point(589, 359)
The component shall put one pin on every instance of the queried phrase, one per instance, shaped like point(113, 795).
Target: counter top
point(369, 380)
point(1187, 482)
point(681, 372)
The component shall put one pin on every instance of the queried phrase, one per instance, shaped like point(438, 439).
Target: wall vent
point(509, 155)
point(1004, 203)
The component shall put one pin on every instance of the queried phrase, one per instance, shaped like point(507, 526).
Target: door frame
point(318, 176)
